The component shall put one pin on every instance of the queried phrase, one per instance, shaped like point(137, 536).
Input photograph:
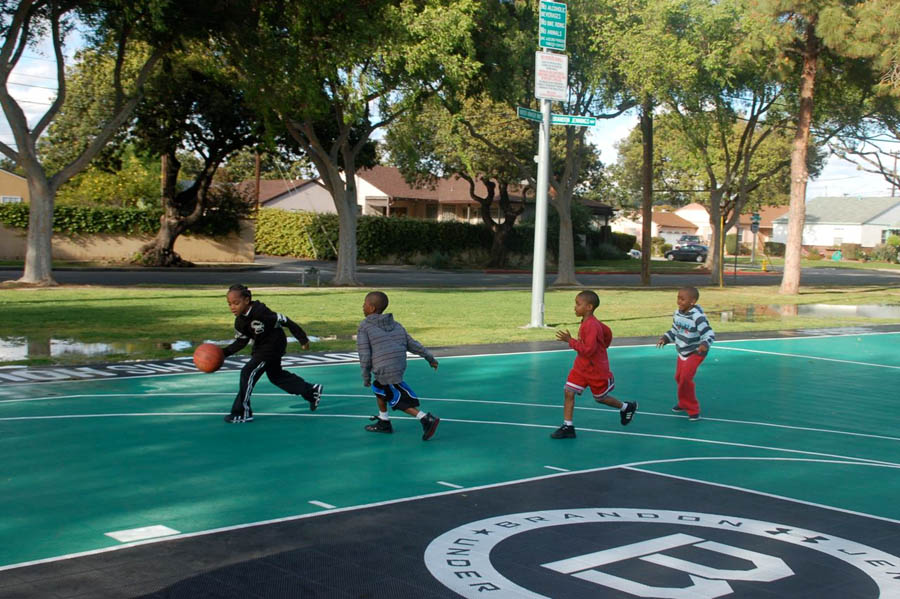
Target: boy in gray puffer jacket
point(382, 344)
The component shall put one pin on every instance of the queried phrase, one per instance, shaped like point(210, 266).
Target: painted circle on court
point(633, 552)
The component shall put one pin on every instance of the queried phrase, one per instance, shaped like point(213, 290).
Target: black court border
point(376, 551)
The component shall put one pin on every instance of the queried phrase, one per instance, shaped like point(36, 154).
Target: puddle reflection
point(771, 311)
point(22, 348)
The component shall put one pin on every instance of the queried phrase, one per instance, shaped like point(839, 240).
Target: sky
point(33, 84)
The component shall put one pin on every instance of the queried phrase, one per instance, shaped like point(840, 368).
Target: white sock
point(384, 416)
point(420, 415)
point(624, 405)
point(567, 422)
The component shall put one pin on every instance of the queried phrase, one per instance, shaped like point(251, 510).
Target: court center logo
point(461, 558)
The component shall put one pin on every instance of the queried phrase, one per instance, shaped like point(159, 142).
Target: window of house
point(448, 212)
point(10, 199)
point(398, 211)
point(885, 233)
point(431, 211)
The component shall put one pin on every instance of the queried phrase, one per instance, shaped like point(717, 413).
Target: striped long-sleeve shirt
point(689, 330)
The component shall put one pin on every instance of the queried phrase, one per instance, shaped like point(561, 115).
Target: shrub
point(624, 241)
point(814, 255)
point(657, 245)
point(884, 253)
point(774, 248)
point(851, 251)
point(731, 241)
point(608, 251)
point(71, 219)
point(893, 240)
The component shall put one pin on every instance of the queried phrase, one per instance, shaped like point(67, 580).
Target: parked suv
point(687, 240)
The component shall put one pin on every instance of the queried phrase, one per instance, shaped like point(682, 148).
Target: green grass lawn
point(146, 320)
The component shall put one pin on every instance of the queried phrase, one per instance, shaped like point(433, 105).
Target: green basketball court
point(99, 466)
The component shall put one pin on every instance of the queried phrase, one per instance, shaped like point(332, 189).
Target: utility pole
point(895, 183)
point(256, 191)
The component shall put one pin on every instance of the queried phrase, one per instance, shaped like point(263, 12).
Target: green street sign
point(552, 25)
point(572, 120)
point(528, 113)
point(754, 217)
point(569, 120)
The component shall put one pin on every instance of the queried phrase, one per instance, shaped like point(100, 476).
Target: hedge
point(774, 248)
point(86, 220)
point(311, 235)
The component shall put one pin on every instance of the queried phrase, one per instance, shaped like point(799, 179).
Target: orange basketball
point(208, 357)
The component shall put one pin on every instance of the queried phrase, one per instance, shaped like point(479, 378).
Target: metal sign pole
point(540, 220)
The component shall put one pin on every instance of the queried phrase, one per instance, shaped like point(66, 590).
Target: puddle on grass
point(24, 348)
point(772, 311)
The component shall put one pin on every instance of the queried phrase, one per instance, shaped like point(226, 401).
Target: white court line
point(327, 506)
point(443, 493)
point(139, 534)
point(489, 422)
point(644, 414)
point(451, 485)
point(773, 353)
point(483, 355)
point(557, 469)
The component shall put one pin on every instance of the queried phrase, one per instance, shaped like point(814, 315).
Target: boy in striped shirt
point(692, 335)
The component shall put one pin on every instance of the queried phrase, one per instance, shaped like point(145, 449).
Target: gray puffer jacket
point(382, 344)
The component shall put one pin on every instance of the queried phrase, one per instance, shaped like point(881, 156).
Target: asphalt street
point(268, 271)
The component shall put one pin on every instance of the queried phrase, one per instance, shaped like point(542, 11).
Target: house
point(667, 225)
point(833, 221)
point(13, 188)
point(699, 216)
point(382, 191)
point(767, 215)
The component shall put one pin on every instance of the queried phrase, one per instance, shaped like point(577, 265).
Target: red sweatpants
point(684, 376)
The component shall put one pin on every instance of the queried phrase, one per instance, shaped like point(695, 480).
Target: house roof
point(670, 219)
point(389, 180)
point(845, 210)
point(269, 189)
point(11, 174)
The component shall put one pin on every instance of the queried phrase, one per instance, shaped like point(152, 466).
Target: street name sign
point(572, 120)
point(528, 113)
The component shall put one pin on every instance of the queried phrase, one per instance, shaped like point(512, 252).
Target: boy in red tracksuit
point(591, 368)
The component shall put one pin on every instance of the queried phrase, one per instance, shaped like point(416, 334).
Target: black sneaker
point(628, 413)
point(677, 408)
point(694, 417)
point(429, 425)
point(380, 426)
point(238, 418)
point(566, 431)
point(316, 397)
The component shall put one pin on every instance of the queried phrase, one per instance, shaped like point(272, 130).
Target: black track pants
point(250, 373)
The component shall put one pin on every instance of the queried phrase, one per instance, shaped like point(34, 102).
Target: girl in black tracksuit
point(253, 321)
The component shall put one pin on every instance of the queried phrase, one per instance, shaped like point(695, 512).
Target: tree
point(331, 73)
point(148, 28)
point(192, 106)
point(433, 142)
point(807, 35)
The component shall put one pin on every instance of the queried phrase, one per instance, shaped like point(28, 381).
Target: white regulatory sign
point(551, 76)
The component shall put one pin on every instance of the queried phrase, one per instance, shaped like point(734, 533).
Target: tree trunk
point(39, 244)
point(790, 280)
point(646, 190)
point(345, 272)
point(161, 251)
point(498, 247)
point(565, 261)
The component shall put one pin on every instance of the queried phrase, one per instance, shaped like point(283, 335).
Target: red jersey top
point(593, 339)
